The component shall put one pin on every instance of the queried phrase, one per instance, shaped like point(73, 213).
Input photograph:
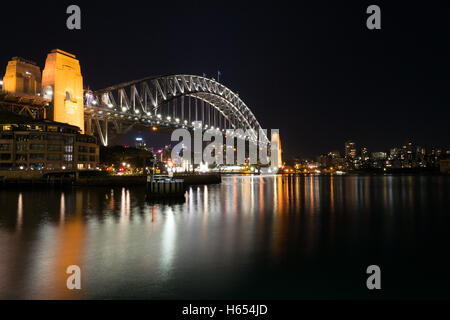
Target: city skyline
point(380, 86)
point(359, 148)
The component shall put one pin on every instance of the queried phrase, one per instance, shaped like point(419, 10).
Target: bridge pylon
point(62, 82)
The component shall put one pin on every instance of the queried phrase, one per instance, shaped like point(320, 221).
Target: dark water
point(250, 237)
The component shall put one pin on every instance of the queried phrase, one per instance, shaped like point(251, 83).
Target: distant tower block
point(277, 160)
point(22, 76)
point(62, 82)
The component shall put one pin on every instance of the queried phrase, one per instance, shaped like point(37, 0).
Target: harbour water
point(272, 237)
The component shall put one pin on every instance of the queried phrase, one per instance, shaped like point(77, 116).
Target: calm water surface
point(249, 237)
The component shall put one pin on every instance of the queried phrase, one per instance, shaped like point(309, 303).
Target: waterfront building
point(365, 155)
point(331, 160)
point(30, 144)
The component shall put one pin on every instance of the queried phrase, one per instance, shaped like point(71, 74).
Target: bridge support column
point(103, 134)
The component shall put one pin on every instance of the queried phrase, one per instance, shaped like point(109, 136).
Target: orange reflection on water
point(280, 191)
point(69, 249)
point(261, 195)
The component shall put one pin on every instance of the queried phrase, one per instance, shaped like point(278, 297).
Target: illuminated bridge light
point(219, 107)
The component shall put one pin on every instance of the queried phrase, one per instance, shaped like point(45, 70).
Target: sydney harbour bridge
point(174, 101)
point(159, 103)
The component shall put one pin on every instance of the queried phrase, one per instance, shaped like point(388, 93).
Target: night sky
point(313, 71)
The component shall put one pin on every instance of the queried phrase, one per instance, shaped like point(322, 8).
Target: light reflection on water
point(249, 237)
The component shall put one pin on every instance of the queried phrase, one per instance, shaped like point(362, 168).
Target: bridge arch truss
point(173, 101)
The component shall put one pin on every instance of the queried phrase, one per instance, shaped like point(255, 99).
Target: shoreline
point(97, 178)
point(53, 179)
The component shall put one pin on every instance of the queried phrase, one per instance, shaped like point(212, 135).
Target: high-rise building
point(365, 156)
point(350, 149)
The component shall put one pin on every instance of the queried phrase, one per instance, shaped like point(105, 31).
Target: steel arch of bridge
point(146, 100)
